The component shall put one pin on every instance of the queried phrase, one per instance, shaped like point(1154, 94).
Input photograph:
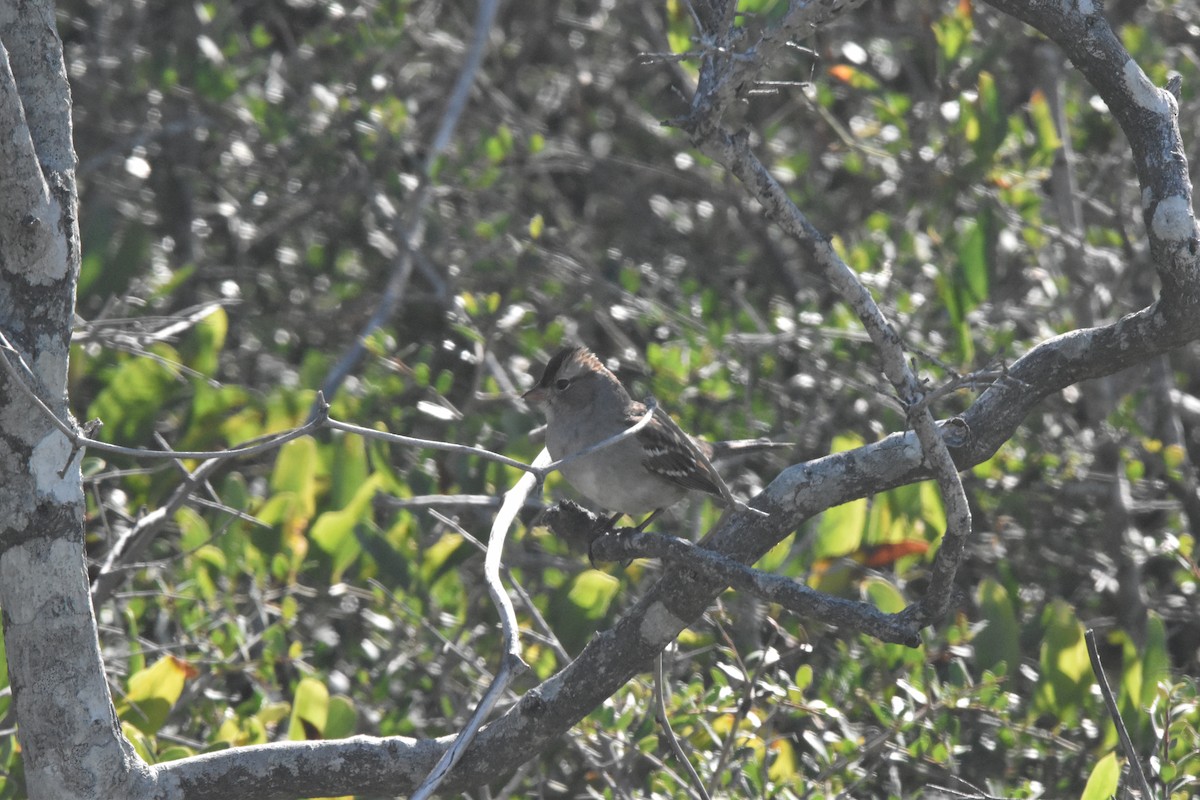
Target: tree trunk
point(68, 731)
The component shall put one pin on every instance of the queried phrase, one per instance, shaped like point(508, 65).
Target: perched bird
point(585, 404)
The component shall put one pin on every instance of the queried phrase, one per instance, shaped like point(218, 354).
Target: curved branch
point(511, 665)
point(1148, 115)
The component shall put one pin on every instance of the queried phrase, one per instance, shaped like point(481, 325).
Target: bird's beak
point(535, 396)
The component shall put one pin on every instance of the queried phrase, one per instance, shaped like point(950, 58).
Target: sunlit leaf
point(310, 710)
point(593, 591)
point(1102, 783)
point(1048, 142)
point(342, 719)
point(334, 531)
point(840, 530)
point(884, 595)
point(153, 691)
point(1066, 672)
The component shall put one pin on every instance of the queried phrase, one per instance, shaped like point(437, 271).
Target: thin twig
point(134, 541)
point(660, 713)
point(448, 501)
point(984, 378)
point(745, 704)
point(1131, 754)
point(432, 444)
point(547, 633)
point(735, 152)
point(511, 664)
point(651, 407)
point(26, 380)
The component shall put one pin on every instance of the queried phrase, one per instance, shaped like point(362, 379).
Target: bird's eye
point(561, 384)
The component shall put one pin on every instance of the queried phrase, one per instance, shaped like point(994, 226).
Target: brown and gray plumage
point(584, 404)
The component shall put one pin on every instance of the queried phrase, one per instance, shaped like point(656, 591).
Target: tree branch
point(795, 597)
point(1148, 115)
point(511, 664)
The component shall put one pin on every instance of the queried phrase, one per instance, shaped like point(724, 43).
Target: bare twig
point(26, 380)
point(141, 331)
point(511, 664)
point(745, 705)
point(448, 501)
point(734, 152)
point(433, 444)
point(1131, 754)
point(547, 633)
point(972, 380)
point(660, 714)
point(133, 542)
point(539, 471)
point(651, 407)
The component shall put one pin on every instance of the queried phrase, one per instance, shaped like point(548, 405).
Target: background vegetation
point(246, 170)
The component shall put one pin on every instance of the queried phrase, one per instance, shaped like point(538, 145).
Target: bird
point(585, 404)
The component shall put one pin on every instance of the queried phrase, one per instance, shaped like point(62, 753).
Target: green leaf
point(1066, 672)
point(443, 555)
point(840, 530)
point(803, 678)
point(992, 120)
point(310, 710)
point(152, 692)
point(998, 641)
point(784, 763)
point(953, 31)
point(948, 293)
point(333, 531)
point(592, 592)
point(1048, 142)
point(1102, 783)
point(1143, 668)
point(349, 469)
point(777, 555)
point(207, 341)
point(193, 528)
point(973, 262)
point(135, 393)
point(342, 720)
point(142, 745)
point(296, 473)
point(884, 595)
point(1156, 660)
point(4, 669)
point(175, 753)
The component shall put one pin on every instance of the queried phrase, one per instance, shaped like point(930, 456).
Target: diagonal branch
point(735, 153)
point(411, 236)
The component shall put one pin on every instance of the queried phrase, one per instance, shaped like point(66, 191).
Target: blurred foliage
point(244, 168)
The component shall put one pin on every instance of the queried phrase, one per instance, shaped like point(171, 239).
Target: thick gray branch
point(1148, 115)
